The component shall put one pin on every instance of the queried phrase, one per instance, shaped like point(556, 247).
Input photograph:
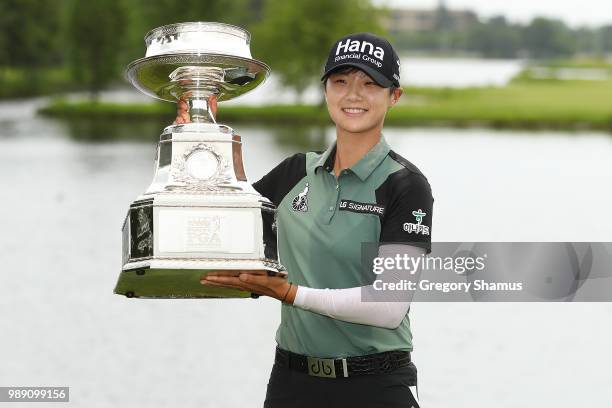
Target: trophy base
point(159, 281)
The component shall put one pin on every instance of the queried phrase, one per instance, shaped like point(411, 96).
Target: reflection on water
point(64, 198)
point(105, 130)
point(297, 137)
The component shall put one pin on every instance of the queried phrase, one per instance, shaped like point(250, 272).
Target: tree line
point(95, 40)
point(496, 37)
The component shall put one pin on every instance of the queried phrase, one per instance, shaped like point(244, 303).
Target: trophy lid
point(199, 37)
point(194, 45)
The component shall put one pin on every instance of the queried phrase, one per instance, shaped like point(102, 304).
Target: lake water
point(415, 71)
point(63, 202)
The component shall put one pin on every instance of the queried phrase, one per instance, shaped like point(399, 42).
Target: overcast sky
point(573, 12)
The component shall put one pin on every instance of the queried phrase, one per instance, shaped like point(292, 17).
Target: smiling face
point(356, 103)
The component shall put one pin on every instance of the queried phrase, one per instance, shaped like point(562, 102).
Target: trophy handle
point(237, 158)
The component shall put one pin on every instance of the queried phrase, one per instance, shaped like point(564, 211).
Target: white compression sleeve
point(347, 305)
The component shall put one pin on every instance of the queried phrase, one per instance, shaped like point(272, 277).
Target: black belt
point(379, 363)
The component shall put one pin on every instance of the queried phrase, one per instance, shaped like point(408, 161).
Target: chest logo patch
point(417, 228)
point(300, 202)
point(364, 208)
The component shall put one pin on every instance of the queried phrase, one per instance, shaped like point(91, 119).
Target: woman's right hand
point(182, 113)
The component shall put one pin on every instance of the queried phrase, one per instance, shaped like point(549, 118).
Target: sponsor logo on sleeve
point(364, 208)
point(417, 228)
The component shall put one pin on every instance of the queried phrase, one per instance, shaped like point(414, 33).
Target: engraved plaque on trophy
point(200, 213)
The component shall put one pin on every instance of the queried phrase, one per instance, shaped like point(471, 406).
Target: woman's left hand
point(258, 282)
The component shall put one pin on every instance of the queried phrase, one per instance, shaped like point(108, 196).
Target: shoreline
point(457, 108)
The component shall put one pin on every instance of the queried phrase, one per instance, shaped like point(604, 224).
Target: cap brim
point(379, 78)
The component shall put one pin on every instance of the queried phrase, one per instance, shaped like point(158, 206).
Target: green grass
point(544, 104)
point(521, 105)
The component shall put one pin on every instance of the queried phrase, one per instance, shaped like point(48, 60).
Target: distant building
point(410, 20)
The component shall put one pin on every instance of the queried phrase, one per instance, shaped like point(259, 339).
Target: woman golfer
point(337, 344)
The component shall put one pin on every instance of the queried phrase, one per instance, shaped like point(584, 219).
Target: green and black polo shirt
point(322, 221)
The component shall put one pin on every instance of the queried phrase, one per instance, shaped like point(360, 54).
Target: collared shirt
point(322, 220)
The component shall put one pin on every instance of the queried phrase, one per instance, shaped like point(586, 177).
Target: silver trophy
point(200, 213)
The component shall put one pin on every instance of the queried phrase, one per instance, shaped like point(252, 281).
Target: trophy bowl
point(197, 44)
point(200, 213)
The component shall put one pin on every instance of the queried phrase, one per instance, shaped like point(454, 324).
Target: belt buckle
point(321, 367)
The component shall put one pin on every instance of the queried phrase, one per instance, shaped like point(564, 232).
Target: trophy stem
point(196, 84)
point(199, 110)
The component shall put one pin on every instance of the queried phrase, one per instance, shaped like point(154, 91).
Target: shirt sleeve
point(366, 304)
point(408, 216)
point(282, 178)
